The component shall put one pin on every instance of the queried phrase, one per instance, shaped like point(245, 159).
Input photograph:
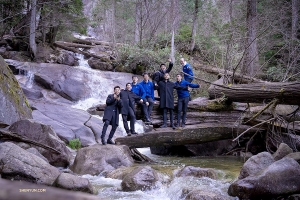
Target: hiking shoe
point(134, 133)
point(110, 142)
point(103, 141)
point(163, 126)
point(182, 125)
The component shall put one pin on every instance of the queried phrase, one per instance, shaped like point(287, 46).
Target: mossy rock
point(13, 103)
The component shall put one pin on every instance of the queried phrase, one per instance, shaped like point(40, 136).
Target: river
point(173, 188)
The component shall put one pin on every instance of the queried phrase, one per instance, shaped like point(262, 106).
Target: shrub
point(74, 144)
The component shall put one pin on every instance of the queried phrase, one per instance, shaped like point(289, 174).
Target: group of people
point(142, 93)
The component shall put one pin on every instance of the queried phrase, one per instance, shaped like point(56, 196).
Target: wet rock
point(18, 164)
point(32, 93)
point(98, 64)
point(43, 134)
point(280, 178)
point(204, 195)
point(255, 164)
point(16, 190)
point(74, 183)
point(141, 178)
point(103, 159)
point(66, 58)
point(13, 103)
point(197, 172)
point(282, 151)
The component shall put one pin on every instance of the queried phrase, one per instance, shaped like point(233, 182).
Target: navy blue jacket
point(185, 93)
point(149, 88)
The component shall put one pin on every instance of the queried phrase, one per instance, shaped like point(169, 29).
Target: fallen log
point(94, 42)
point(194, 134)
point(236, 76)
point(76, 45)
point(285, 92)
point(102, 58)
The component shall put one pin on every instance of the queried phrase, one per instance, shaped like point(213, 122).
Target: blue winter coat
point(185, 93)
point(187, 68)
point(149, 88)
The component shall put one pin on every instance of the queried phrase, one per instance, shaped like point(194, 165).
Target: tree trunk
point(295, 18)
point(251, 55)
point(195, 23)
point(196, 134)
point(286, 93)
point(32, 42)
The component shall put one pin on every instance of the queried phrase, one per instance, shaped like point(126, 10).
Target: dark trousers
point(150, 107)
point(113, 129)
point(132, 121)
point(165, 111)
point(182, 107)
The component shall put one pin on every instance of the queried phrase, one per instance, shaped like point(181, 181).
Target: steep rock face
point(13, 103)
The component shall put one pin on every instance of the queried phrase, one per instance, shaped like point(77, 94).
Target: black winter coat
point(128, 99)
point(159, 75)
point(112, 107)
point(166, 93)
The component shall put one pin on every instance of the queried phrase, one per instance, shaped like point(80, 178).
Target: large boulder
point(255, 164)
point(20, 190)
point(74, 183)
point(18, 164)
point(280, 178)
point(102, 159)
point(68, 123)
point(197, 172)
point(43, 134)
point(98, 64)
point(204, 195)
point(13, 103)
point(141, 178)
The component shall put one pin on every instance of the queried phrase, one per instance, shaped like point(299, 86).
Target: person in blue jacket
point(149, 99)
point(138, 89)
point(183, 99)
point(187, 69)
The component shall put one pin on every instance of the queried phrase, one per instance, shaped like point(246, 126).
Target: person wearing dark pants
point(128, 111)
point(138, 89)
point(183, 99)
point(159, 75)
point(167, 98)
point(111, 115)
point(149, 99)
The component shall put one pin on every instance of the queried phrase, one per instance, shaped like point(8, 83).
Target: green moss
point(74, 144)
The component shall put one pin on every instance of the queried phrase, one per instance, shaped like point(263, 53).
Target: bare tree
point(195, 23)
point(251, 55)
point(32, 28)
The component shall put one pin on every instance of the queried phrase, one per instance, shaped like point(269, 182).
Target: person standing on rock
point(159, 75)
point(166, 88)
point(111, 115)
point(149, 99)
point(128, 111)
point(188, 70)
point(139, 90)
point(183, 99)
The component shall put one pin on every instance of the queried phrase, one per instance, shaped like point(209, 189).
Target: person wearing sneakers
point(183, 99)
point(128, 111)
point(111, 115)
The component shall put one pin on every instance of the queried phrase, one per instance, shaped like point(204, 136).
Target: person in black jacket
point(128, 110)
point(167, 98)
point(111, 115)
point(159, 75)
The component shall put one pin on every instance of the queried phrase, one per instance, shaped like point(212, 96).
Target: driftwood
point(196, 134)
point(286, 93)
point(6, 135)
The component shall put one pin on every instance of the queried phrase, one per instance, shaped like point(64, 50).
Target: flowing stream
point(172, 187)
